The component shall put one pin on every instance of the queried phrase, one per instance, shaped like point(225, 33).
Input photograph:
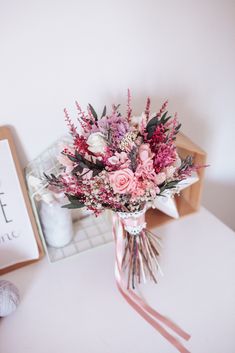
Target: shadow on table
point(23, 278)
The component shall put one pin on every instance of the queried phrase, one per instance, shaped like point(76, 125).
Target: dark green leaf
point(99, 164)
point(151, 126)
point(78, 156)
point(53, 176)
point(170, 185)
point(163, 116)
point(73, 205)
point(154, 121)
point(72, 198)
point(78, 168)
point(178, 127)
point(93, 112)
point(104, 112)
point(95, 172)
point(115, 107)
point(84, 163)
point(74, 202)
point(150, 131)
point(73, 159)
point(166, 120)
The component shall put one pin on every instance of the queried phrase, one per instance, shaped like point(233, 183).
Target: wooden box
point(189, 199)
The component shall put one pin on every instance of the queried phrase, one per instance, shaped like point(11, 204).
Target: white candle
point(56, 223)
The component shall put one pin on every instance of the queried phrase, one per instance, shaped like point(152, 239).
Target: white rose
point(139, 122)
point(96, 143)
point(136, 120)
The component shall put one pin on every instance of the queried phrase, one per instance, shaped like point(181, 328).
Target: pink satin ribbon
point(140, 306)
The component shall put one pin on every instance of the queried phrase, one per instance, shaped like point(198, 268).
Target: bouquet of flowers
point(122, 163)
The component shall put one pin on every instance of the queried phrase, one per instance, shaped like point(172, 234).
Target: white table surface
point(74, 305)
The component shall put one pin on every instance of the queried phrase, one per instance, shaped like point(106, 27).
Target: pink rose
point(122, 181)
point(145, 152)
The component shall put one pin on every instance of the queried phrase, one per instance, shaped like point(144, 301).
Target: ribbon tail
point(160, 329)
point(141, 307)
point(160, 317)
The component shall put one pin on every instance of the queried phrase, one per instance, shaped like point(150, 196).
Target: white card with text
point(17, 240)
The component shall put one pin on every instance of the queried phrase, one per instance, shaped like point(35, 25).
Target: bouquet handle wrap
point(141, 250)
point(154, 318)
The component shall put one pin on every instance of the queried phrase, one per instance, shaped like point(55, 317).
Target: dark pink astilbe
point(172, 124)
point(165, 155)
point(162, 110)
point(186, 173)
point(80, 144)
point(147, 108)
point(83, 119)
point(129, 110)
point(159, 136)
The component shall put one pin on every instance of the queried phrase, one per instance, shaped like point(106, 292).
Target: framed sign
point(19, 240)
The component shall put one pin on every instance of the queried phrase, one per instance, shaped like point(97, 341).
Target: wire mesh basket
point(88, 231)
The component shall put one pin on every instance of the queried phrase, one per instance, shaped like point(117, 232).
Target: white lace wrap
point(133, 221)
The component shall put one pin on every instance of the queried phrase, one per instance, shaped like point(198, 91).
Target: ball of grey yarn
point(9, 298)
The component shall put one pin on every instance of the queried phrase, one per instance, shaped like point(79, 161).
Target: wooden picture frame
point(10, 235)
